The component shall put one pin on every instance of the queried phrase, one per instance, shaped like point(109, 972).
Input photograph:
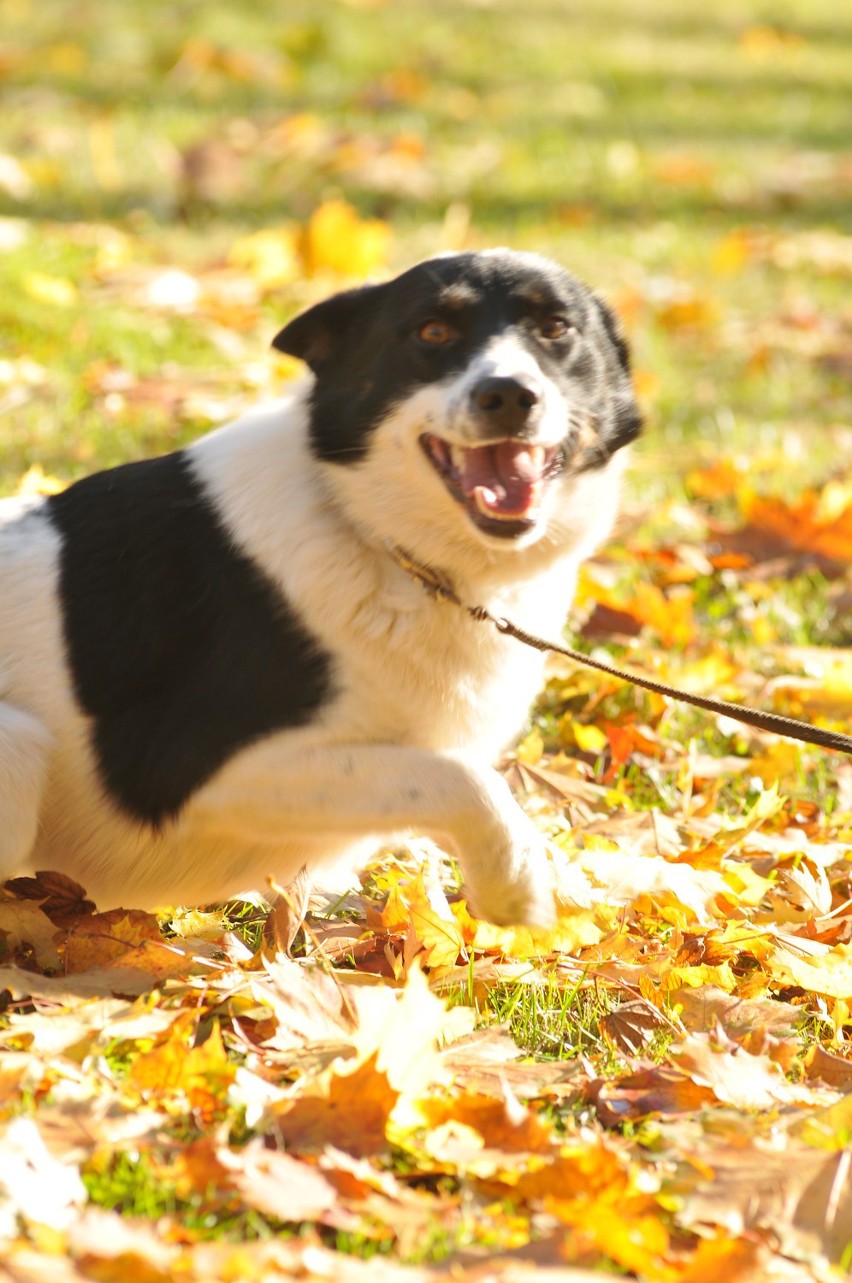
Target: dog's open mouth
point(501, 485)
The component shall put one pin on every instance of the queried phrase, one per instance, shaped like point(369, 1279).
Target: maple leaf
point(829, 972)
point(347, 1110)
point(201, 1074)
point(816, 522)
point(103, 938)
point(736, 1077)
point(649, 1090)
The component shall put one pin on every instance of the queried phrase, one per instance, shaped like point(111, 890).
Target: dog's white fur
point(426, 698)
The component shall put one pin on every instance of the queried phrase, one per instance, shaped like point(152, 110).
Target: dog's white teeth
point(485, 501)
point(457, 457)
point(538, 454)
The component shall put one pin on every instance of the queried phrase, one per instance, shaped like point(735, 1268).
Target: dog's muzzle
point(501, 484)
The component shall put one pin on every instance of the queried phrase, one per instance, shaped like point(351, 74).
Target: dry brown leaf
point(24, 928)
point(736, 1077)
point(706, 1007)
point(307, 1004)
point(827, 1067)
point(288, 912)
point(649, 1090)
point(277, 1184)
point(349, 1111)
point(632, 1024)
point(101, 939)
point(61, 897)
point(802, 1196)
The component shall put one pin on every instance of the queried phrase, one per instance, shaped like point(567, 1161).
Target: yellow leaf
point(531, 748)
point(734, 251)
point(697, 977)
point(590, 739)
point(421, 910)
point(440, 936)
point(636, 1242)
point(830, 975)
point(271, 257)
point(829, 1128)
point(200, 1074)
point(36, 481)
point(338, 240)
point(748, 887)
point(56, 291)
point(573, 931)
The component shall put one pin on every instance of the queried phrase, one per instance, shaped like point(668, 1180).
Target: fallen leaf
point(347, 1110)
point(24, 927)
point(336, 239)
point(34, 1185)
point(277, 1184)
point(737, 1077)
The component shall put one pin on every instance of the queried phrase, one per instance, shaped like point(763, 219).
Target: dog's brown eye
point(554, 327)
point(436, 333)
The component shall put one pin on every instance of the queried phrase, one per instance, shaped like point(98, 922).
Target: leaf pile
point(659, 1085)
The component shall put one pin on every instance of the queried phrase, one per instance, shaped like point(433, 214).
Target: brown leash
point(790, 727)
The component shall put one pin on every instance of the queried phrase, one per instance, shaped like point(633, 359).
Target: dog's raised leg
point(273, 791)
point(24, 747)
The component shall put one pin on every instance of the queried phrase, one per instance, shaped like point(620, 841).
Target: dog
point(212, 669)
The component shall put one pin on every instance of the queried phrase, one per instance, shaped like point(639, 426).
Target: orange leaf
point(200, 1074)
point(670, 617)
point(502, 1124)
point(820, 523)
point(636, 1241)
point(351, 1113)
point(101, 939)
point(731, 1259)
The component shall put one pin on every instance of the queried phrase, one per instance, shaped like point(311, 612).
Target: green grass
point(626, 140)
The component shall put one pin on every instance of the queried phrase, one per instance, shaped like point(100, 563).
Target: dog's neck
point(437, 583)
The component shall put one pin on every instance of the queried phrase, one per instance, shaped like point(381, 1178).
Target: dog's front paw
point(518, 889)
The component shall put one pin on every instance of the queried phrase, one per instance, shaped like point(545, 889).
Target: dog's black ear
point(613, 332)
point(626, 423)
point(313, 335)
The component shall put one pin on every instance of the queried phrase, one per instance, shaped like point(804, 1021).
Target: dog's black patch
point(181, 650)
point(364, 346)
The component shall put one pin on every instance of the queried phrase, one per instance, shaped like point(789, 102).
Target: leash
point(439, 588)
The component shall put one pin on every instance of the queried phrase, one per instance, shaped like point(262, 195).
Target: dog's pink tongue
point(502, 478)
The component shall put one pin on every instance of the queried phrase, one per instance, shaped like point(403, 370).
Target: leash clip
point(432, 583)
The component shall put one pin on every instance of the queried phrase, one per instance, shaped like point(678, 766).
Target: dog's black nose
point(505, 404)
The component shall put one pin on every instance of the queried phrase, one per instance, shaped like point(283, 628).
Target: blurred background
point(176, 179)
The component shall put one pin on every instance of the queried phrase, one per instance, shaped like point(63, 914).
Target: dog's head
point(471, 405)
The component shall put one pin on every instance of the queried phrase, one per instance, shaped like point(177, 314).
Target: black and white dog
point(211, 669)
